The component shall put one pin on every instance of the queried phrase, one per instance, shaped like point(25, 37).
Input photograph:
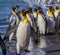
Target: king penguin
point(41, 21)
point(57, 11)
point(57, 17)
point(41, 26)
point(22, 34)
point(32, 16)
point(13, 23)
point(50, 19)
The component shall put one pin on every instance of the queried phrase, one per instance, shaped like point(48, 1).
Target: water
point(5, 10)
point(5, 7)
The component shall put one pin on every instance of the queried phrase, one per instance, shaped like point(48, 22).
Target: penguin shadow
point(52, 39)
point(37, 51)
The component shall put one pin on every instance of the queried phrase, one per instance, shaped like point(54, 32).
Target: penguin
point(35, 28)
point(22, 34)
point(32, 18)
point(57, 10)
point(15, 28)
point(41, 23)
point(35, 16)
point(13, 23)
point(50, 19)
point(57, 17)
point(29, 16)
point(41, 20)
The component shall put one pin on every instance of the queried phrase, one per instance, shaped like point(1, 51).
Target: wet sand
point(54, 49)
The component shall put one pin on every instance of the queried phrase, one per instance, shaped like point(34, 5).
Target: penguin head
point(57, 7)
point(21, 13)
point(57, 10)
point(27, 11)
point(35, 11)
point(17, 14)
point(30, 10)
point(51, 8)
point(40, 10)
point(50, 11)
point(25, 20)
point(15, 8)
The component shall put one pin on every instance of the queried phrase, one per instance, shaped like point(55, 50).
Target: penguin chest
point(22, 32)
point(56, 14)
point(41, 24)
point(41, 20)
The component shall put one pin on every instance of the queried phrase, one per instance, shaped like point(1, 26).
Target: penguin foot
point(27, 50)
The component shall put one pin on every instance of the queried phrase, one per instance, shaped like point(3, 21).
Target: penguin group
point(25, 24)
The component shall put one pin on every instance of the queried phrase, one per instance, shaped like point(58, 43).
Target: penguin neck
point(49, 13)
point(27, 15)
point(25, 20)
point(57, 11)
point(39, 14)
point(13, 12)
point(35, 13)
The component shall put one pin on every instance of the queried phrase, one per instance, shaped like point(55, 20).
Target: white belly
point(41, 24)
point(21, 35)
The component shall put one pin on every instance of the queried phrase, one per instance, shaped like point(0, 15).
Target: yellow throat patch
point(27, 15)
point(34, 13)
point(25, 20)
point(49, 14)
point(57, 11)
point(39, 14)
